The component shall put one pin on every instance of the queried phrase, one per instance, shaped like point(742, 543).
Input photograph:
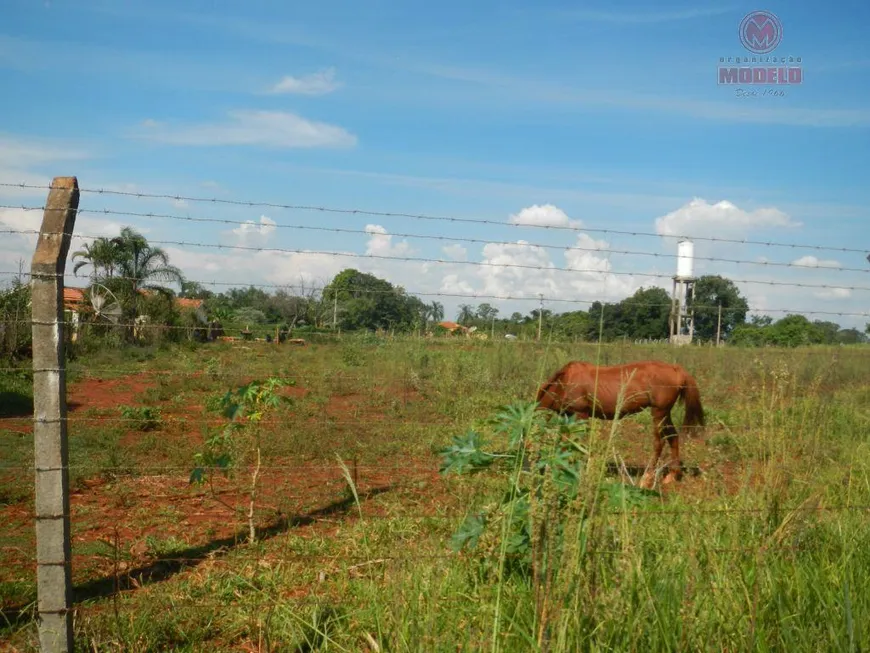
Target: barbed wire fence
point(50, 323)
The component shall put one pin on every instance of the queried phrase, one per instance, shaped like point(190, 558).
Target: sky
point(564, 150)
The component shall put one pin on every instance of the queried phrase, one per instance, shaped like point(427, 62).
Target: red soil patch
point(92, 393)
point(166, 508)
point(107, 393)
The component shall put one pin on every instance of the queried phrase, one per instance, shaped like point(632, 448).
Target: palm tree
point(436, 311)
point(466, 314)
point(102, 254)
point(141, 264)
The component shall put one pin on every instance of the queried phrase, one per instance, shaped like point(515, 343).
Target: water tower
point(682, 320)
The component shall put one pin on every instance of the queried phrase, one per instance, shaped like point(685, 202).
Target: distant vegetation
point(140, 276)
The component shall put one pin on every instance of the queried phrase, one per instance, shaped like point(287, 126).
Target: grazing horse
point(586, 390)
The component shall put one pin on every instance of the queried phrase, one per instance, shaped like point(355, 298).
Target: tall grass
point(764, 550)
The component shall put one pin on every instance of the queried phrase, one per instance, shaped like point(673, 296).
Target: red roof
point(73, 297)
point(451, 326)
point(185, 302)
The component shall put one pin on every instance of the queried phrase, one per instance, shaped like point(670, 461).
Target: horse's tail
point(694, 415)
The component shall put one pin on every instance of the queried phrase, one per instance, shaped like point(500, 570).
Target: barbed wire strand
point(566, 248)
point(485, 264)
point(420, 216)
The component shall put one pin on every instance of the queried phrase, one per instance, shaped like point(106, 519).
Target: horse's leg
point(675, 471)
point(649, 476)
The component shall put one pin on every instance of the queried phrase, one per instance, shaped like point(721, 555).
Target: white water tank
point(685, 259)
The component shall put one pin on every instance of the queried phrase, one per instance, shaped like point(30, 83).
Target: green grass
point(16, 392)
point(764, 550)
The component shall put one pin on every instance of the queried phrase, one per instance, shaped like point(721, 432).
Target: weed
point(142, 418)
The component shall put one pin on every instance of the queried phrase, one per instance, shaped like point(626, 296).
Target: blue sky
point(605, 117)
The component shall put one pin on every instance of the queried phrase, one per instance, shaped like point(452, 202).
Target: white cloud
point(250, 230)
point(813, 262)
point(833, 293)
point(275, 129)
point(522, 269)
point(723, 219)
point(454, 285)
point(319, 83)
point(544, 215)
point(20, 220)
point(17, 246)
point(380, 243)
point(456, 252)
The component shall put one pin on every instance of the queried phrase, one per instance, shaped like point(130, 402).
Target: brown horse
point(645, 384)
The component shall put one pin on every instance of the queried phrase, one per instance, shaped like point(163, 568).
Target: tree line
point(140, 275)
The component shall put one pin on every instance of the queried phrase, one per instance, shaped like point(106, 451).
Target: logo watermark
point(760, 34)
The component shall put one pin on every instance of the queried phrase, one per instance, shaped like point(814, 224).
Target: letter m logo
point(760, 32)
point(761, 36)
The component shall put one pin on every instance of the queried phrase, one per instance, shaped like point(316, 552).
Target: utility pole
point(719, 325)
point(540, 314)
point(492, 328)
point(334, 310)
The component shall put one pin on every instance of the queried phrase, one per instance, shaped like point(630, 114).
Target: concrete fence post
point(51, 456)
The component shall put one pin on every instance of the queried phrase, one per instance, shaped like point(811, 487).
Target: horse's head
point(550, 396)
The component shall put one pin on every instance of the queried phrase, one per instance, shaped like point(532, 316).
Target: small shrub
point(142, 418)
point(240, 439)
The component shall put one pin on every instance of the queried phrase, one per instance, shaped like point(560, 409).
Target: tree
point(142, 265)
point(194, 290)
point(710, 292)
point(436, 311)
point(368, 302)
point(850, 337)
point(248, 315)
point(829, 330)
point(486, 312)
point(644, 315)
point(102, 254)
point(749, 335)
point(573, 325)
point(465, 315)
point(15, 316)
point(793, 331)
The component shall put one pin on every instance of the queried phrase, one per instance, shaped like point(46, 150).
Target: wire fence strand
point(595, 271)
point(529, 245)
point(436, 218)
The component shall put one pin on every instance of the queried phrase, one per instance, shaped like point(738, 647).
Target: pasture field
point(765, 544)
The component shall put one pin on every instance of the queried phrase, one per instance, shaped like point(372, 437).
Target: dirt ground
point(122, 525)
